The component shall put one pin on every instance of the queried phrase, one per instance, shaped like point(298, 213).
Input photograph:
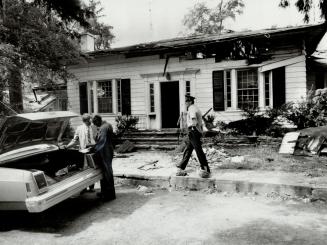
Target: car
point(36, 172)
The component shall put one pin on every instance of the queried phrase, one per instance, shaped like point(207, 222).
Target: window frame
point(247, 88)
point(152, 103)
point(110, 97)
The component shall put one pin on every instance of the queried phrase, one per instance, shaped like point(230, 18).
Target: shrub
point(308, 113)
point(124, 123)
point(258, 123)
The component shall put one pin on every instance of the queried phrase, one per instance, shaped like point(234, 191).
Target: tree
point(37, 42)
point(103, 32)
point(204, 20)
point(305, 6)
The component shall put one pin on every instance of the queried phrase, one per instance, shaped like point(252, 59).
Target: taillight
point(28, 187)
point(40, 181)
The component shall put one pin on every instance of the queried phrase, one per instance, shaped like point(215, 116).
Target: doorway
point(169, 104)
point(279, 93)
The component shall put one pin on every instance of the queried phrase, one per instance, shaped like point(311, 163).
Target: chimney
point(87, 42)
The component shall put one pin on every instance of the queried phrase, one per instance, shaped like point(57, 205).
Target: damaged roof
point(312, 34)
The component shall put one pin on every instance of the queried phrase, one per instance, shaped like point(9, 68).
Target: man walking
point(194, 124)
point(104, 147)
point(84, 134)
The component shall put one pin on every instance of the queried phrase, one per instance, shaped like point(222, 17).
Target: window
point(267, 89)
point(104, 94)
point(151, 87)
point(247, 88)
point(187, 88)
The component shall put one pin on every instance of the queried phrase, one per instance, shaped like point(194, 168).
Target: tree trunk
point(15, 90)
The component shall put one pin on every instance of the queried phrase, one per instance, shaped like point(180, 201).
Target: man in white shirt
point(194, 124)
point(84, 134)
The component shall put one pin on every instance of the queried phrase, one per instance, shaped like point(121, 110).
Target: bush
point(124, 123)
point(257, 123)
point(308, 113)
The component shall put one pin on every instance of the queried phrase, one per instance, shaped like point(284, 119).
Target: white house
point(265, 68)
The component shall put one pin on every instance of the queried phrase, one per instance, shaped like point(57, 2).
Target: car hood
point(28, 129)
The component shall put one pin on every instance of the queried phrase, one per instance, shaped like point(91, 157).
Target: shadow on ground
point(267, 232)
point(73, 215)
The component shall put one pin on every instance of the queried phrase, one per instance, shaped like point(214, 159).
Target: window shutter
point(83, 98)
point(126, 96)
point(218, 90)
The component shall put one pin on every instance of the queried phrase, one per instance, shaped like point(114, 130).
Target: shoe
point(181, 172)
point(203, 173)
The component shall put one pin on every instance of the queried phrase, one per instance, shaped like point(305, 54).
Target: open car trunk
point(56, 165)
point(35, 173)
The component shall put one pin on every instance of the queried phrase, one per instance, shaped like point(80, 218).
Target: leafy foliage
point(68, 10)
point(39, 39)
point(34, 42)
point(124, 123)
point(305, 6)
point(103, 32)
point(311, 112)
point(257, 123)
point(204, 20)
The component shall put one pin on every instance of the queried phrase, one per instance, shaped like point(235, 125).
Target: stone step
point(154, 147)
point(135, 139)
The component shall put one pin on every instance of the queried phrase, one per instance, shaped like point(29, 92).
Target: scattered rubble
point(125, 147)
point(145, 190)
point(150, 165)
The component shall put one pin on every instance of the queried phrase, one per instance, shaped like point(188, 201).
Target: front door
point(169, 104)
point(279, 93)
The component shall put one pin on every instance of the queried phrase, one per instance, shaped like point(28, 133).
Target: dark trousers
point(194, 143)
point(107, 182)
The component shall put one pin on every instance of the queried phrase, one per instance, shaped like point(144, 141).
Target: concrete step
point(149, 139)
point(168, 147)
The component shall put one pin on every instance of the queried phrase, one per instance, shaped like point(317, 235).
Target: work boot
point(204, 173)
point(180, 172)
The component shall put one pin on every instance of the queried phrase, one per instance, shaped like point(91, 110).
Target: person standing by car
point(194, 124)
point(84, 134)
point(104, 147)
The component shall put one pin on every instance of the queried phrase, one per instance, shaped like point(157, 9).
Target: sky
point(138, 21)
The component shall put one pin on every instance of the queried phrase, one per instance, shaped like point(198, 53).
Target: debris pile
point(309, 141)
point(125, 147)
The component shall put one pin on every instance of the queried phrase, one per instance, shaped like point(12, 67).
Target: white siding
point(142, 70)
point(295, 78)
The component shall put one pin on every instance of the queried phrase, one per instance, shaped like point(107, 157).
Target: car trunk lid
point(30, 129)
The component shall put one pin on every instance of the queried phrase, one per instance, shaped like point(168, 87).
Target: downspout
point(165, 68)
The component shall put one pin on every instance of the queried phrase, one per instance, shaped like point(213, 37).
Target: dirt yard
point(259, 157)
